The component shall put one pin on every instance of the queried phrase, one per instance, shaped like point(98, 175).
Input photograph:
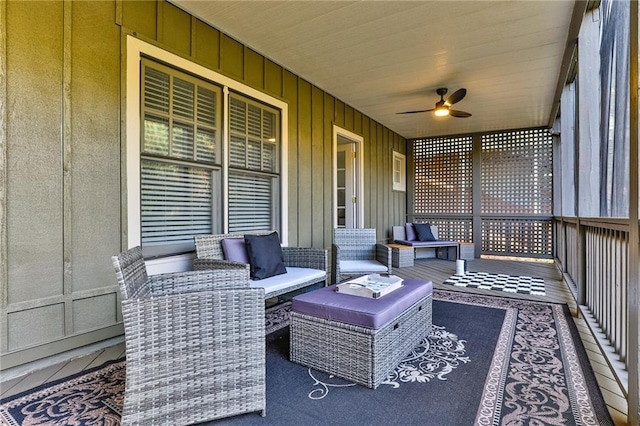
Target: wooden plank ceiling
point(384, 57)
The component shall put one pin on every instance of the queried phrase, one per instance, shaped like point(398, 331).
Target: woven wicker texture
point(362, 355)
point(357, 244)
point(194, 342)
point(210, 255)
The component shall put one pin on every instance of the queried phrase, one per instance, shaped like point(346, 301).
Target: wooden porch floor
point(437, 271)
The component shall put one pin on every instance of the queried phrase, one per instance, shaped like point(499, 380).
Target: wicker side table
point(467, 251)
point(401, 256)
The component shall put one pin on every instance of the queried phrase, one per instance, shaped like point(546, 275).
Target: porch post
point(634, 224)
point(477, 194)
point(581, 258)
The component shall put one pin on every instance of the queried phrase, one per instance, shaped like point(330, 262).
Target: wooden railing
point(593, 254)
point(566, 237)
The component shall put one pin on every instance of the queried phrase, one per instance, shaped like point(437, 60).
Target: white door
point(346, 188)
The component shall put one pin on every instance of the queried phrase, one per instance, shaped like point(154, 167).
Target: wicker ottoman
point(357, 338)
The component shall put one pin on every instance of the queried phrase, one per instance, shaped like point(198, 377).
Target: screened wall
point(596, 186)
point(493, 189)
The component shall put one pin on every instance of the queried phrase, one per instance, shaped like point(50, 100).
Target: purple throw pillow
point(410, 232)
point(234, 249)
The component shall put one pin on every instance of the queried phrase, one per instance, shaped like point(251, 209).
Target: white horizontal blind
point(253, 135)
point(253, 165)
point(176, 203)
point(250, 202)
point(206, 131)
point(181, 117)
point(179, 159)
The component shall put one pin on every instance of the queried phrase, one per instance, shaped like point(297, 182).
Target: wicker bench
point(356, 338)
point(444, 249)
point(305, 266)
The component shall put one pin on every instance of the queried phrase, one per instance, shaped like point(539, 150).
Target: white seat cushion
point(293, 277)
point(357, 266)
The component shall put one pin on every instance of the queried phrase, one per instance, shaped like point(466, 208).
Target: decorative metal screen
point(451, 229)
point(443, 175)
point(517, 172)
point(517, 180)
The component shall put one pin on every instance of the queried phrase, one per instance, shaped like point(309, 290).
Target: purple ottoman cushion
point(370, 313)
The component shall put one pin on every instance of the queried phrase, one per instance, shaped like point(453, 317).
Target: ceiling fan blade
point(459, 114)
point(413, 112)
point(457, 96)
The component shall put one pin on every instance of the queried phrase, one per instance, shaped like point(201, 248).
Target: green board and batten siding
point(63, 128)
point(62, 211)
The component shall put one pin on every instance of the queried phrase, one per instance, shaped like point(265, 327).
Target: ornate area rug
point(277, 317)
point(501, 282)
point(488, 361)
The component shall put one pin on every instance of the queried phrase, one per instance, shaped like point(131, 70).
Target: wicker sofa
point(189, 358)
point(305, 266)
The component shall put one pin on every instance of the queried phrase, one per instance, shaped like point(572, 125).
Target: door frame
point(358, 142)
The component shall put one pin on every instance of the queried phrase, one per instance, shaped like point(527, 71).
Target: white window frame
point(137, 48)
point(401, 160)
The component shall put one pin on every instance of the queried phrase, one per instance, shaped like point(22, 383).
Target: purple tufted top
point(370, 313)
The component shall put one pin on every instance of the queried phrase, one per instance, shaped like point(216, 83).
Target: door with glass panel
point(346, 183)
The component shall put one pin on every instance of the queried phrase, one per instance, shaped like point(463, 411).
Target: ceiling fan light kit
point(442, 106)
point(441, 111)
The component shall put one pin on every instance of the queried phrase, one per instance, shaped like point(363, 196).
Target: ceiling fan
point(442, 106)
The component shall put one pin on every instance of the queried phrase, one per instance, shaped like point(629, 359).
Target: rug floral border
point(532, 377)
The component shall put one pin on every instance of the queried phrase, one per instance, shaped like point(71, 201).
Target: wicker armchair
point(194, 342)
point(356, 252)
point(210, 255)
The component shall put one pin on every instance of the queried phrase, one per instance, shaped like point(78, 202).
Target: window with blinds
point(180, 159)
point(182, 164)
point(253, 166)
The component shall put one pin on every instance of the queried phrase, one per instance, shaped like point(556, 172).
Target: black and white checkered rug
point(500, 282)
